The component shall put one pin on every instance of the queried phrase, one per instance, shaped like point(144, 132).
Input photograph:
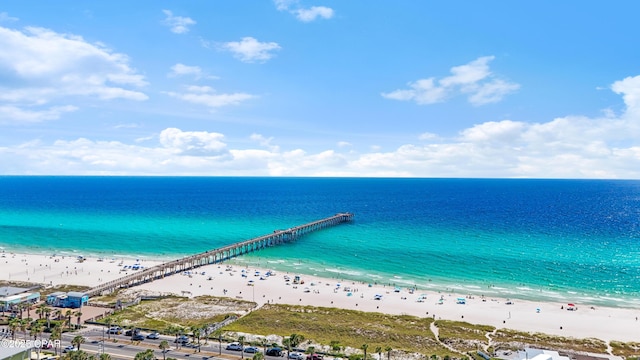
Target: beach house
point(71, 299)
point(540, 354)
point(11, 297)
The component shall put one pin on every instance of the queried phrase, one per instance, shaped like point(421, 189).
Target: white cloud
point(41, 66)
point(491, 92)
point(4, 17)
point(264, 141)
point(177, 24)
point(630, 88)
point(181, 69)
point(186, 70)
point(205, 95)
point(565, 147)
point(251, 50)
point(314, 12)
point(427, 136)
point(283, 5)
point(304, 14)
point(15, 113)
point(473, 79)
point(193, 142)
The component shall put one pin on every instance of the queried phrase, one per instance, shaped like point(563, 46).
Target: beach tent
point(461, 301)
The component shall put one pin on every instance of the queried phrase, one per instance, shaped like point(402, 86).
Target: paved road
point(121, 347)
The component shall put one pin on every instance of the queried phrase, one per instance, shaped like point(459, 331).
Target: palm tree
point(133, 333)
point(295, 340)
point(108, 327)
point(47, 313)
point(388, 350)
point(79, 315)
point(264, 342)
point(218, 334)
point(14, 324)
point(56, 334)
point(258, 356)
point(36, 329)
point(364, 348)
point(204, 330)
point(379, 351)
point(311, 350)
point(164, 345)
point(68, 314)
point(145, 355)
point(196, 335)
point(28, 306)
point(241, 341)
point(105, 356)
point(22, 324)
point(286, 342)
point(76, 355)
point(77, 341)
point(40, 309)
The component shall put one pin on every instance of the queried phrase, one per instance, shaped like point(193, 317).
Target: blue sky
point(533, 89)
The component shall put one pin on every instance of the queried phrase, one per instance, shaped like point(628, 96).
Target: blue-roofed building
point(11, 296)
point(76, 299)
point(57, 299)
point(72, 299)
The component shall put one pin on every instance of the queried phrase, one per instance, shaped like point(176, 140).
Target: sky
point(324, 88)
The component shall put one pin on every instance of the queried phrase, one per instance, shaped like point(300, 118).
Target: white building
point(539, 354)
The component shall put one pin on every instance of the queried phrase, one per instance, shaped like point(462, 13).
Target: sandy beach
point(254, 285)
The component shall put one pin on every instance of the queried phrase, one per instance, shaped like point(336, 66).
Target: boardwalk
point(218, 255)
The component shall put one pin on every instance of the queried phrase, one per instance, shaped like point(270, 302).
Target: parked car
point(182, 339)
point(234, 347)
point(132, 332)
point(296, 356)
point(137, 337)
point(69, 348)
point(314, 357)
point(115, 330)
point(153, 335)
point(274, 351)
point(251, 350)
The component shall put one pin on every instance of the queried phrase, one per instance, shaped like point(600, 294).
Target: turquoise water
point(558, 240)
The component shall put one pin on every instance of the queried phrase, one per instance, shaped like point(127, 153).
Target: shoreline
point(226, 279)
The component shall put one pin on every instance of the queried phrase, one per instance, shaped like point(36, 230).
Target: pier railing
point(218, 255)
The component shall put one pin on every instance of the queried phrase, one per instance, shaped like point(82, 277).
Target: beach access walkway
point(188, 263)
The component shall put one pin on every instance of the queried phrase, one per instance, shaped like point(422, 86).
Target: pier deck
point(218, 255)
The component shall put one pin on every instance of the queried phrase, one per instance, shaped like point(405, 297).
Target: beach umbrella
point(571, 304)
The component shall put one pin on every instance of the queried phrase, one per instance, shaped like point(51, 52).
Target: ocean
point(545, 240)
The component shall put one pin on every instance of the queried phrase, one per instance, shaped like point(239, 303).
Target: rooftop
point(11, 290)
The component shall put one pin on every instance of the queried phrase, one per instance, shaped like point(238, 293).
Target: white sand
point(59, 269)
point(600, 322)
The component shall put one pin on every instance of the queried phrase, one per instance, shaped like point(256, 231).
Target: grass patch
point(178, 311)
point(108, 299)
point(509, 339)
point(20, 284)
point(463, 336)
point(626, 350)
point(349, 328)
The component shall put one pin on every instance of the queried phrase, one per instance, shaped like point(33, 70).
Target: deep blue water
point(576, 240)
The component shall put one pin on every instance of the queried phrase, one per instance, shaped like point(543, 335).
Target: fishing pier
point(218, 255)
